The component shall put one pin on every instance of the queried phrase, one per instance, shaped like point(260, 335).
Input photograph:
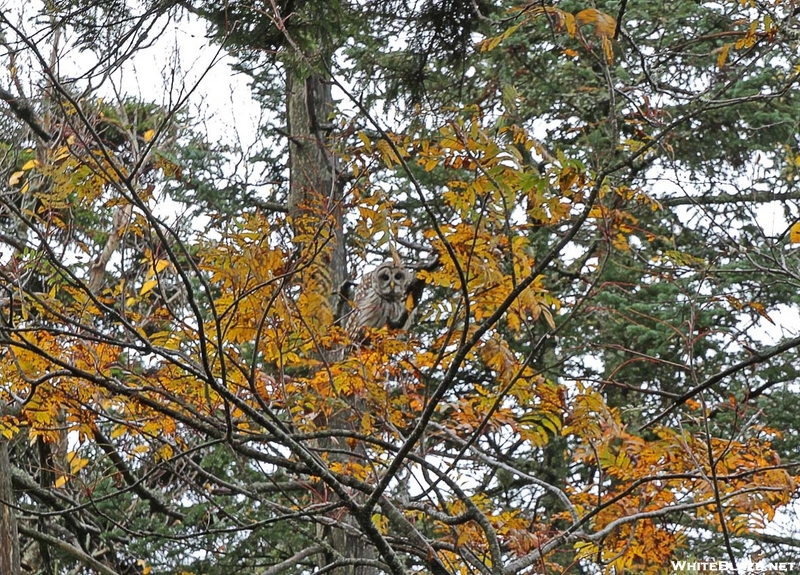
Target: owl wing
point(364, 300)
point(369, 308)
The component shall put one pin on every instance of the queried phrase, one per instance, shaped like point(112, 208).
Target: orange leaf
point(604, 25)
point(760, 310)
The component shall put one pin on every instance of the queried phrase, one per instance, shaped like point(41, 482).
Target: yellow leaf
point(722, 57)
point(149, 135)
point(60, 482)
point(548, 318)
point(735, 303)
point(161, 265)
point(15, 178)
point(8, 426)
point(152, 427)
point(166, 452)
point(365, 140)
point(30, 164)
point(570, 24)
point(794, 233)
point(366, 423)
point(77, 463)
point(61, 153)
point(634, 145)
point(607, 49)
point(492, 43)
point(148, 286)
point(388, 154)
point(381, 522)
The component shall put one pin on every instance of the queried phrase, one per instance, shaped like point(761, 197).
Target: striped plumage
point(379, 299)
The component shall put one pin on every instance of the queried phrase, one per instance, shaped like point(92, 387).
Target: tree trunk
point(315, 192)
point(9, 539)
point(315, 206)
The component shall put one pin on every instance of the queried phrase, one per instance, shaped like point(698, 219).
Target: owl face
point(390, 281)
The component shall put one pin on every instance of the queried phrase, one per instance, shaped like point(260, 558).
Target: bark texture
point(9, 538)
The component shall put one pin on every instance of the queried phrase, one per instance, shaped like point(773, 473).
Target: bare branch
point(71, 551)
point(22, 110)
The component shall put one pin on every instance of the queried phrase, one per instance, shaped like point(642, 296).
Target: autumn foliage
point(586, 384)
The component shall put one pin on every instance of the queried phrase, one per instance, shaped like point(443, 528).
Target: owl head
point(390, 281)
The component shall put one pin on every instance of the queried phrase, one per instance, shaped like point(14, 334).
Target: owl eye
point(383, 277)
point(398, 276)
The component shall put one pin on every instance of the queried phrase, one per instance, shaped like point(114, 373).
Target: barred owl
point(379, 299)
